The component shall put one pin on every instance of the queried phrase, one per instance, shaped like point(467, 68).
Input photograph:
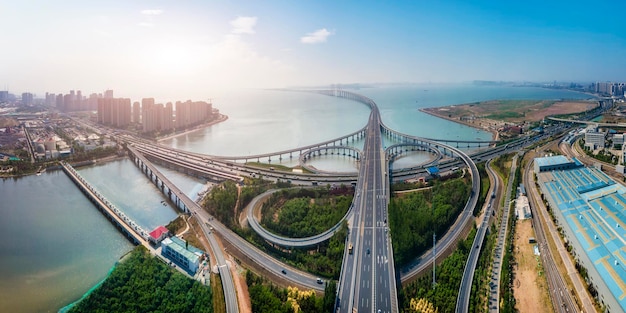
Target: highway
point(367, 282)
point(496, 268)
point(462, 303)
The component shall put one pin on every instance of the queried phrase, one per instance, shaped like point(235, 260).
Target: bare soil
point(529, 288)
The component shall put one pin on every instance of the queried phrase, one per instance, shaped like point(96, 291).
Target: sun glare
point(172, 60)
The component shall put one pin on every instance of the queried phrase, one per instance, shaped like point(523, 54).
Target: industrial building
point(557, 162)
point(590, 208)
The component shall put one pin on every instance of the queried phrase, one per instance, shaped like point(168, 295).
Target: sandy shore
point(430, 111)
point(199, 127)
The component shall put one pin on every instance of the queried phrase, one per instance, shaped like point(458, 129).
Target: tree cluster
point(144, 284)
point(444, 293)
point(266, 297)
point(298, 213)
point(415, 217)
point(220, 202)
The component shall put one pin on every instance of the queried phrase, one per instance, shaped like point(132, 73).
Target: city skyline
point(170, 49)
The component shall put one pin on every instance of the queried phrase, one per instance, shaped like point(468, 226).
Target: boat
point(41, 170)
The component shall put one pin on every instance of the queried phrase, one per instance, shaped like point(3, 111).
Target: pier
point(128, 227)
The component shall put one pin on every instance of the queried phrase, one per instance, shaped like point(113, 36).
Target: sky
point(177, 49)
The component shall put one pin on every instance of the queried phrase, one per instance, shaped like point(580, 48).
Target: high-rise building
point(114, 111)
point(108, 94)
point(149, 118)
point(50, 99)
point(92, 102)
point(27, 98)
point(136, 112)
point(167, 121)
point(4, 96)
point(190, 113)
point(59, 102)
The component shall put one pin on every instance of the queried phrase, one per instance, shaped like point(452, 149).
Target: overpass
point(565, 120)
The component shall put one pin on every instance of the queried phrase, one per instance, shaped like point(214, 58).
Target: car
point(368, 251)
point(283, 271)
point(320, 281)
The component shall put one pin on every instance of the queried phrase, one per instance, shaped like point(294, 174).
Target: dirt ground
point(530, 289)
point(239, 274)
point(511, 110)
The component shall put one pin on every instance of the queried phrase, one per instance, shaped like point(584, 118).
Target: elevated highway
point(187, 205)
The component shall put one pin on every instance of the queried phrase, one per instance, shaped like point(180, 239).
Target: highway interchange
point(368, 279)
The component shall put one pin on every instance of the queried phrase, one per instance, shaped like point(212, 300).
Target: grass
point(277, 167)
point(219, 302)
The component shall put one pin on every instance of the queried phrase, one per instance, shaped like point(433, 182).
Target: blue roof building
point(179, 252)
point(557, 162)
point(591, 209)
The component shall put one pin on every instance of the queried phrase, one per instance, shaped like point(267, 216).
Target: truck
point(350, 248)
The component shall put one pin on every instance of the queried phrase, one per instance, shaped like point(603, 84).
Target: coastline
point(220, 119)
point(494, 133)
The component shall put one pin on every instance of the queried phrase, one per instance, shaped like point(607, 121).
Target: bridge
point(368, 276)
point(127, 226)
point(565, 120)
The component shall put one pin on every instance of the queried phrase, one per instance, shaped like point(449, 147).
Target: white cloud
point(151, 12)
point(317, 36)
point(243, 25)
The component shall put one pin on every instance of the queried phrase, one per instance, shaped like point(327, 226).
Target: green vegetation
point(268, 298)
point(603, 155)
point(144, 284)
point(443, 296)
point(507, 274)
point(305, 212)
point(484, 187)
point(413, 217)
point(325, 261)
point(480, 287)
point(219, 300)
point(277, 167)
point(505, 115)
point(220, 202)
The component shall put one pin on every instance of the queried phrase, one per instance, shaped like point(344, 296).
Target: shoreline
point(220, 119)
point(494, 133)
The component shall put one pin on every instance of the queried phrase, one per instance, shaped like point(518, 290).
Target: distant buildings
point(156, 117)
point(4, 96)
point(114, 112)
point(610, 88)
point(27, 98)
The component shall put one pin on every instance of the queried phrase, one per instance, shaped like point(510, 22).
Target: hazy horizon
point(194, 50)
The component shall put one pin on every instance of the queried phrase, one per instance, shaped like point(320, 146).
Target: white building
point(594, 139)
point(618, 139)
